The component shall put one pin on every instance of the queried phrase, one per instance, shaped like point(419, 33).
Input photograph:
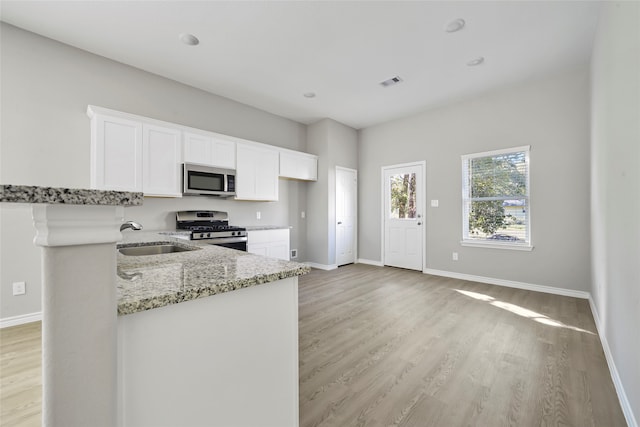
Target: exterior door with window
point(403, 216)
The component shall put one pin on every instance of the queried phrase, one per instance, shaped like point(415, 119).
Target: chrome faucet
point(131, 224)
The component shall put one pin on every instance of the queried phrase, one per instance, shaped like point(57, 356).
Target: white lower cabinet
point(257, 170)
point(225, 360)
point(269, 243)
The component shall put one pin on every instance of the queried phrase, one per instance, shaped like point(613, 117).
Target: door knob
point(419, 223)
point(339, 222)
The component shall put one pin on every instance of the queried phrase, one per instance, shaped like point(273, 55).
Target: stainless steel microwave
point(208, 181)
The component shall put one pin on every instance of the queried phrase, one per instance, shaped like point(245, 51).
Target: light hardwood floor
point(390, 347)
point(21, 375)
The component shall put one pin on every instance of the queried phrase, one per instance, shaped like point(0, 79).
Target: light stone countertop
point(69, 196)
point(265, 227)
point(148, 282)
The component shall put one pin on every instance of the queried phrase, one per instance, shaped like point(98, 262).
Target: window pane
point(403, 196)
point(502, 175)
point(499, 220)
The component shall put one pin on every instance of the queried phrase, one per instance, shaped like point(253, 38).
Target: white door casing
point(403, 215)
point(346, 215)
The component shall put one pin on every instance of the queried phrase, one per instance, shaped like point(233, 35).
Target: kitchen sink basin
point(159, 249)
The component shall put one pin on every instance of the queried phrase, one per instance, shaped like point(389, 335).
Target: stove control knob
point(233, 233)
point(208, 234)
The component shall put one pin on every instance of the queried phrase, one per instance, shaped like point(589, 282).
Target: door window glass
point(403, 196)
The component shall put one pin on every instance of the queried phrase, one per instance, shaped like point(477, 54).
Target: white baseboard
point(509, 283)
point(321, 266)
point(20, 320)
point(370, 262)
point(615, 377)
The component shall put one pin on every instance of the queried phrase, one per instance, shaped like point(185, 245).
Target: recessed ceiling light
point(189, 39)
point(478, 61)
point(455, 25)
point(309, 95)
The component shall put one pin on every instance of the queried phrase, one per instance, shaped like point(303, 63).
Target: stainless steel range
point(211, 227)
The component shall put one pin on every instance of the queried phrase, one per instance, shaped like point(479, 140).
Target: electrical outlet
point(258, 215)
point(303, 215)
point(294, 253)
point(454, 256)
point(19, 288)
point(435, 203)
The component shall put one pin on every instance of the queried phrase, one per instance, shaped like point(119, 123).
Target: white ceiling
point(269, 53)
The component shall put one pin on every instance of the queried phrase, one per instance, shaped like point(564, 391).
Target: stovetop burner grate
point(213, 228)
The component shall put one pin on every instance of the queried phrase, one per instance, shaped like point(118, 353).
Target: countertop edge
point(250, 228)
point(70, 196)
point(144, 304)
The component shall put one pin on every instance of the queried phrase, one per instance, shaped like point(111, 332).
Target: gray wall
point(551, 115)
point(45, 137)
point(615, 189)
point(335, 144)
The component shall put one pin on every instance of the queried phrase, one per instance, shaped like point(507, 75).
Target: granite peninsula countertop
point(69, 196)
point(265, 227)
point(148, 282)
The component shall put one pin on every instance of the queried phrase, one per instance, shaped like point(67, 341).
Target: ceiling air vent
point(390, 82)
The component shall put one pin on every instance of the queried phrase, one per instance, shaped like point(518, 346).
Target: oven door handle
point(215, 241)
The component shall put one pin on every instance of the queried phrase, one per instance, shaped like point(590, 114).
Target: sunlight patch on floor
point(521, 311)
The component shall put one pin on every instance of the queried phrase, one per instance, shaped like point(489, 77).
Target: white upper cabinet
point(257, 169)
point(136, 153)
point(116, 154)
point(198, 149)
point(128, 154)
point(209, 150)
point(162, 161)
point(297, 165)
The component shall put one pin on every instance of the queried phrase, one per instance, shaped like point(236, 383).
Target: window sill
point(493, 245)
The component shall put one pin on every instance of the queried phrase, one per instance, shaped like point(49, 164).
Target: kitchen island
point(206, 337)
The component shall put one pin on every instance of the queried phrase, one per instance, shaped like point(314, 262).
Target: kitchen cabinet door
point(209, 150)
point(116, 154)
point(257, 169)
point(162, 161)
point(270, 243)
point(224, 153)
point(298, 165)
point(198, 149)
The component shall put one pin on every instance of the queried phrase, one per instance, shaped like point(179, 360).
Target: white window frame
point(526, 246)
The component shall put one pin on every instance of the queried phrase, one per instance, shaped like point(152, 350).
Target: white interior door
point(403, 216)
point(346, 212)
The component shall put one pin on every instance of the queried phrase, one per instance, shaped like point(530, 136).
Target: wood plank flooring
point(391, 347)
point(21, 375)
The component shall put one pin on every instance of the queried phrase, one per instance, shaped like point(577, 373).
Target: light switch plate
point(434, 203)
point(19, 288)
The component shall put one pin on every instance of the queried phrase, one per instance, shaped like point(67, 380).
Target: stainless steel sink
point(164, 248)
